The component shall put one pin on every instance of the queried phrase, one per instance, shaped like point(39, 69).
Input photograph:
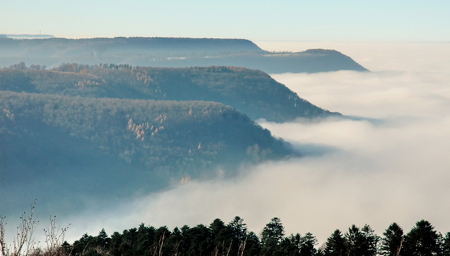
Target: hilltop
point(26, 36)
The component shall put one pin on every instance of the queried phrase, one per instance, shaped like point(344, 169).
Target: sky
point(288, 20)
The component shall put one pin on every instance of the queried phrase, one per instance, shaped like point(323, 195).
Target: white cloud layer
point(394, 168)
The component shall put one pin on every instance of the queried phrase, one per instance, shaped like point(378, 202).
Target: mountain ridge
point(170, 52)
point(252, 92)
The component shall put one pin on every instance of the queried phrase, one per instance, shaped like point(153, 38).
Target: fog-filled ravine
point(387, 164)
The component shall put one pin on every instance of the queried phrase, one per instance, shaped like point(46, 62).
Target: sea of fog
point(387, 163)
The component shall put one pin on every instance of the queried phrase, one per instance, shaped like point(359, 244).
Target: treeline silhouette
point(234, 238)
point(219, 238)
point(252, 92)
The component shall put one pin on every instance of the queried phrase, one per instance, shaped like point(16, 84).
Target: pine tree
point(271, 237)
point(102, 240)
point(356, 242)
point(336, 245)
point(391, 244)
point(446, 245)
point(422, 240)
point(307, 244)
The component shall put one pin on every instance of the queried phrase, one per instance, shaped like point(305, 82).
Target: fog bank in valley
point(389, 164)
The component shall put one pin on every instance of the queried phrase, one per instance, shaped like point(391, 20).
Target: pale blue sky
point(256, 20)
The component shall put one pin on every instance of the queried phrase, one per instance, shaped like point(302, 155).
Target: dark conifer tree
point(103, 241)
point(446, 245)
point(392, 242)
point(221, 235)
point(199, 240)
point(370, 244)
point(175, 242)
point(361, 242)
point(238, 229)
point(290, 245)
point(271, 237)
point(422, 240)
point(336, 245)
point(307, 244)
point(116, 241)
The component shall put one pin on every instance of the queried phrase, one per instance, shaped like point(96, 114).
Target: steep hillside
point(170, 52)
point(252, 92)
point(114, 147)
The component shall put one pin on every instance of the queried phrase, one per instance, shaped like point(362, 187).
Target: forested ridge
point(89, 146)
point(145, 128)
point(252, 92)
point(171, 52)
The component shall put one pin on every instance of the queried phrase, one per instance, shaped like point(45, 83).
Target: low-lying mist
point(388, 164)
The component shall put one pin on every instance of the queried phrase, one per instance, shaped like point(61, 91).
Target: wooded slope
point(252, 92)
point(113, 147)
